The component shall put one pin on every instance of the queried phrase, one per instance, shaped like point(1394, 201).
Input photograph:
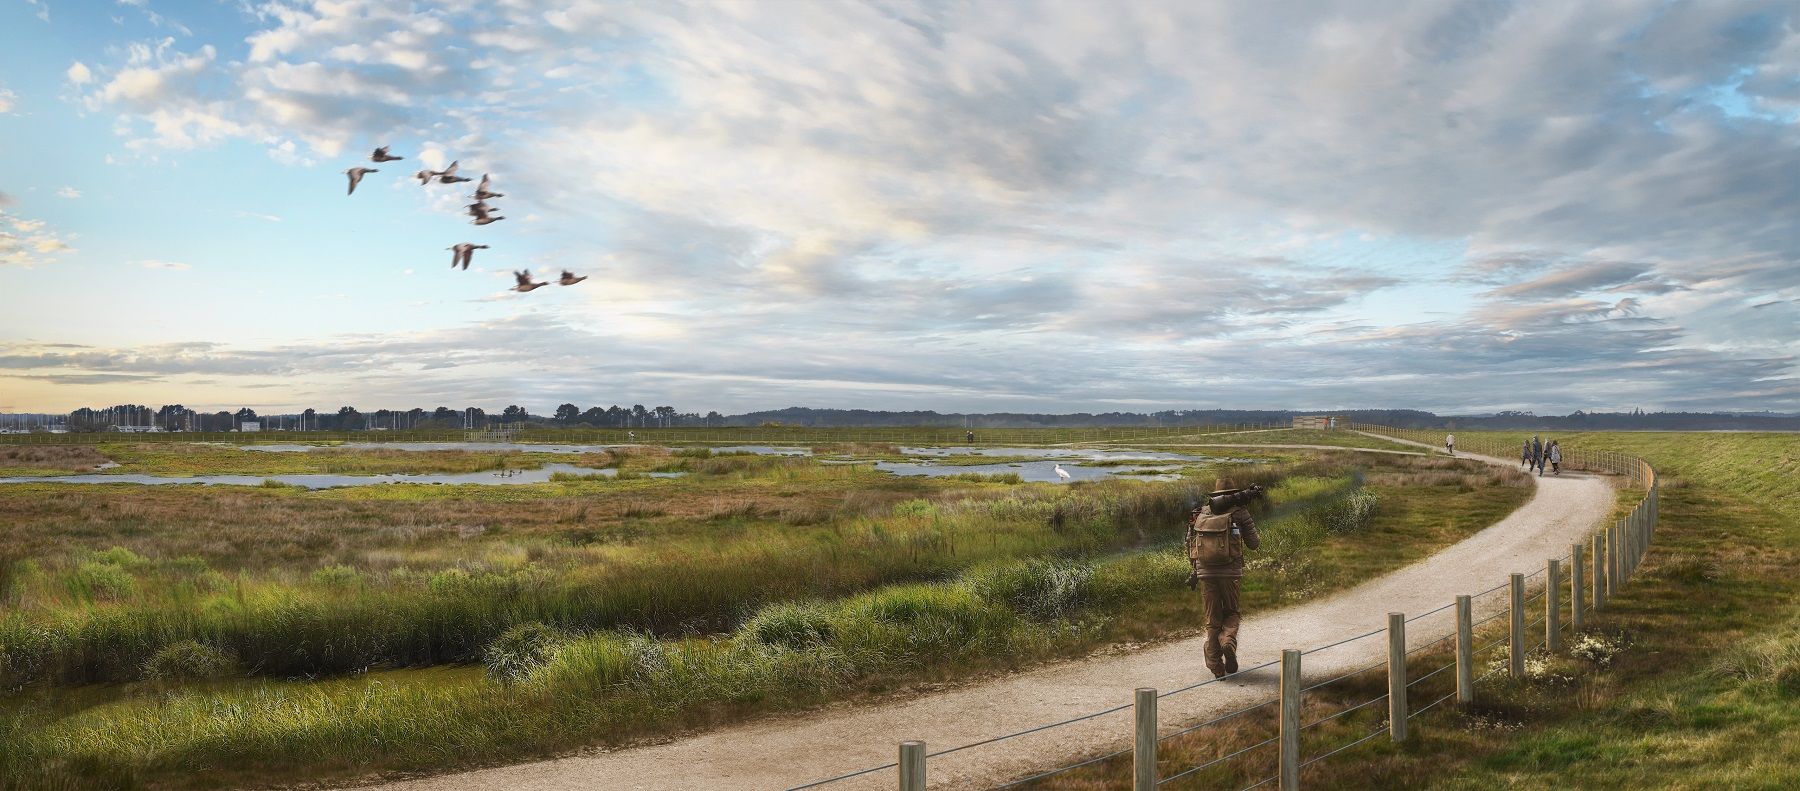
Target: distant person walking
point(1525, 455)
point(1555, 454)
point(1537, 455)
point(1450, 444)
point(970, 437)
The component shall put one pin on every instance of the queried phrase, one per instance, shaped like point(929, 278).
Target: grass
point(1695, 682)
point(898, 582)
point(52, 460)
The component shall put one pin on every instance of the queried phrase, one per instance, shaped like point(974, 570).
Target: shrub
point(188, 660)
point(915, 508)
point(1042, 588)
point(796, 626)
point(102, 581)
point(337, 576)
point(519, 651)
point(118, 556)
point(1348, 514)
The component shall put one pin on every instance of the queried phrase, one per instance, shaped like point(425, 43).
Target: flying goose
point(480, 209)
point(381, 155)
point(448, 175)
point(481, 190)
point(356, 175)
point(463, 254)
point(484, 218)
point(425, 176)
point(569, 278)
point(525, 284)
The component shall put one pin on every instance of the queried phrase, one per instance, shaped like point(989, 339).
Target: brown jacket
point(1243, 536)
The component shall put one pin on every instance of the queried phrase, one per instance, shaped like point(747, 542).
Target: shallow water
point(334, 480)
point(1033, 471)
point(1083, 454)
point(762, 450)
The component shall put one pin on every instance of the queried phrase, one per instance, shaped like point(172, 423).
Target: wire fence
point(1625, 543)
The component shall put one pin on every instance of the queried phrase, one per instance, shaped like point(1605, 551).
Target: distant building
point(250, 425)
point(136, 429)
point(1319, 421)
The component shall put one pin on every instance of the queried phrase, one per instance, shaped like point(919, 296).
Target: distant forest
point(175, 417)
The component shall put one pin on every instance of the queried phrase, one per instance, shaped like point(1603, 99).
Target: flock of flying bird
point(483, 214)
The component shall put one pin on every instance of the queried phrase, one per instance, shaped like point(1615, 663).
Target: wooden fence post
point(1465, 651)
point(1599, 572)
point(1577, 593)
point(1553, 605)
point(1397, 676)
point(1144, 750)
point(912, 766)
point(1289, 770)
point(1516, 647)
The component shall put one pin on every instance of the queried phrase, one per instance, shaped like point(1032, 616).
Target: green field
point(220, 636)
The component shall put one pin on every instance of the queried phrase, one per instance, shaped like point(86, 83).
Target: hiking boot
point(1231, 663)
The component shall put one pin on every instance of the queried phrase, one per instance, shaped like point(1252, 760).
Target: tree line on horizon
point(175, 417)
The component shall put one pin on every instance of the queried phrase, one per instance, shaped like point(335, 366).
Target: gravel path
point(783, 751)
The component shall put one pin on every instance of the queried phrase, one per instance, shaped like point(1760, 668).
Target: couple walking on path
point(1536, 454)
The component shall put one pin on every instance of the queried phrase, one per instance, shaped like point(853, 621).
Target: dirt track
point(780, 752)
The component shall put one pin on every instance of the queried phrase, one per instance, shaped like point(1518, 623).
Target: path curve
point(782, 751)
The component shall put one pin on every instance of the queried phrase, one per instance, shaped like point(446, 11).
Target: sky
point(961, 206)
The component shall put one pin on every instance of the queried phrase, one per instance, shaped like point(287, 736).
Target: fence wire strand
point(1217, 720)
point(1336, 679)
point(1330, 717)
point(1343, 641)
point(1372, 734)
point(1218, 760)
point(1068, 768)
point(1069, 721)
point(1409, 684)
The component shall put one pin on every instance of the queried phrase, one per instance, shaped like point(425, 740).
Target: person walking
point(1555, 454)
point(1217, 536)
point(1537, 455)
point(1450, 444)
point(970, 437)
point(1525, 455)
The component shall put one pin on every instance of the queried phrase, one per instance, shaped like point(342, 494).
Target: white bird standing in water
point(1061, 473)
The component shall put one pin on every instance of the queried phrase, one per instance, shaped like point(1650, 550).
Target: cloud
point(257, 215)
point(1574, 280)
point(68, 192)
point(79, 74)
point(167, 265)
point(1079, 204)
point(28, 243)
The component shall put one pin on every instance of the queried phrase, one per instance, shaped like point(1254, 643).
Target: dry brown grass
point(58, 458)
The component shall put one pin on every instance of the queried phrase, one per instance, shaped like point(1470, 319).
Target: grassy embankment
point(1690, 678)
point(580, 683)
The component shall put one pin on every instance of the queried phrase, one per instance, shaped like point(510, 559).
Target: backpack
point(1209, 540)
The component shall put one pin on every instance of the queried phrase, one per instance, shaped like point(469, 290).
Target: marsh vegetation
point(151, 633)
